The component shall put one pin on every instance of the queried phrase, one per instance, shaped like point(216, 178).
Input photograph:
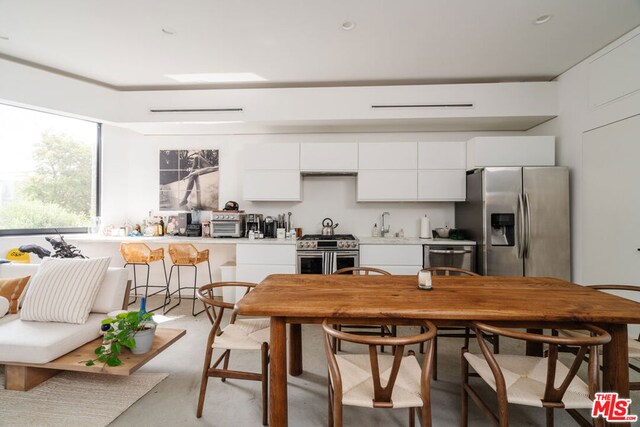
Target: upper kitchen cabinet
point(388, 156)
point(329, 157)
point(272, 156)
point(442, 185)
point(442, 155)
point(387, 185)
point(271, 185)
point(510, 151)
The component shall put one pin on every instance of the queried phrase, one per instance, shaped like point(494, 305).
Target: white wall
point(130, 178)
point(578, 114)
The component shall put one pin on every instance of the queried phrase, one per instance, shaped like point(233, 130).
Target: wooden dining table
point(523, 302)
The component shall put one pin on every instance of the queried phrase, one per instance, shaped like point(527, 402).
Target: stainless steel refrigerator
point(519, 217)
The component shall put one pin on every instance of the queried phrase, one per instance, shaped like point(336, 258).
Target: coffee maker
point(270, 227)
point(254, 223)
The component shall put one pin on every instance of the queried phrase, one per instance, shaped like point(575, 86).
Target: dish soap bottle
point(376, 231)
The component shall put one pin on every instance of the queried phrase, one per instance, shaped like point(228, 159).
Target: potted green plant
point(133, 330)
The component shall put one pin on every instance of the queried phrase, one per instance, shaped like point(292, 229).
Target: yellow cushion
point(11, 289)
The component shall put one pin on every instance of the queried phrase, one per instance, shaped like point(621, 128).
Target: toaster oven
point(227, 224)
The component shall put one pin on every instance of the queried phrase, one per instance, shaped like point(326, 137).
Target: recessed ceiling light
point(542, 19)
point(216, 77)
point(348, 25)
point(168, 31)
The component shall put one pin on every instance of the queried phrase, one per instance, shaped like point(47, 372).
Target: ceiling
point(121, 43)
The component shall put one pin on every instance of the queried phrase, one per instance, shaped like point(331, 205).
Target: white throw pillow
point(64, 290)
point(4, 306)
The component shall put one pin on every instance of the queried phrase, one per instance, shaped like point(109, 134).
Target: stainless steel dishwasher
point(459, 256)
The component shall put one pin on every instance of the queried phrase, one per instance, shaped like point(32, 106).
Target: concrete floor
point(238, 403)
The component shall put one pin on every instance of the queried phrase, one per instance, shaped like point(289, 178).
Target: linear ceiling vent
point(198, 110)
point(388, 106)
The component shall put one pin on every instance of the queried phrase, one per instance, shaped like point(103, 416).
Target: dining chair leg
point(225, 364)
point(329, 402)
point(549, 417)
point(464, 369)
point(204, 381)
point(265, 383)
point(337, 411)
point(434, 373)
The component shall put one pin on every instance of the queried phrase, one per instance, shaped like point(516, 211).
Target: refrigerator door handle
point(521, 222)
point(528, 229)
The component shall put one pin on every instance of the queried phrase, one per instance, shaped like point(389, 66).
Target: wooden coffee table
point(24, 376)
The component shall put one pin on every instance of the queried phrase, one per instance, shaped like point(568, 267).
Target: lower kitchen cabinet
point(387, 185)
point(255, 261)
point(442, 185)
point(257, 273)
point(396, 259)
point(272, 185)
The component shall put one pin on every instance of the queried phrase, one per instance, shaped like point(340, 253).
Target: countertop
point(89, 238)
point(366, 240)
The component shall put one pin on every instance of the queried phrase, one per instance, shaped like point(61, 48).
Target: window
point(49, 166)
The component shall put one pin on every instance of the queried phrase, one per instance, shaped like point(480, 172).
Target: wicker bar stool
point(138, 254)
point(187, 255)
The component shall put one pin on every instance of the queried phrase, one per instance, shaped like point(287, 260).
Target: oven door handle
point(449, 251)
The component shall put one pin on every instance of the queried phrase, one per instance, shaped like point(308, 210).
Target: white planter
point(144, 340)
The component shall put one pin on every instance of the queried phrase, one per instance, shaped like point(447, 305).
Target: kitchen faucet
point(383, 230)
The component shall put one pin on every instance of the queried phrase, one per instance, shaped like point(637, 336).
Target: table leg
point(278, 416)
point(534, 348)
point(295, 349)
point(615, 363)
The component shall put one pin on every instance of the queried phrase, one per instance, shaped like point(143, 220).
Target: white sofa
point(41, 342)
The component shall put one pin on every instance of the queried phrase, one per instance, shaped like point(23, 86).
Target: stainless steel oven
point(318, 254)
point(458, 256)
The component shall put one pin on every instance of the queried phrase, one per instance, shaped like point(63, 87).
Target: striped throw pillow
point(11, 289)
point(64, 290)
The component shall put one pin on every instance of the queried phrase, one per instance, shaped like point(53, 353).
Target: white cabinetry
point(387, 185)
point(387, 155)
point(272, 172)
point(329, 157)
point(442, 171)
point(272, 156)
point(487, 151)
point(438, 155)
point(442, 185)
point(272, 185)
point(256, 261)
point(396, 259)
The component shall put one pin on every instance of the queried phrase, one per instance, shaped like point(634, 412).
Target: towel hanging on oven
point(329, 262)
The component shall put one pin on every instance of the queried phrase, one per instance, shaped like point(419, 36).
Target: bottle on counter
point(161, 227)
point(375, 232)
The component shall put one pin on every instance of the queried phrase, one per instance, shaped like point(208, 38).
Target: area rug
point(74, 399)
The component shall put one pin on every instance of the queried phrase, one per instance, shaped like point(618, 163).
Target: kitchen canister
point(425, 228)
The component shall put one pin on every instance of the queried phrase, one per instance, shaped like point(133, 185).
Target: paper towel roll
point(425, 228)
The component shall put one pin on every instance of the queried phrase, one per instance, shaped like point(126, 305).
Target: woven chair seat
point(525, 378)
point(140, 253)
point(634, 346)
point(187, 254)
point(244, 334)
point(357, 380)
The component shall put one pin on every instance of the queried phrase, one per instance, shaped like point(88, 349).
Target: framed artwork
point(189, 179)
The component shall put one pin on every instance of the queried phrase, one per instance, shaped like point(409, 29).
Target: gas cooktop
point(319, 242)
point(325, 237)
